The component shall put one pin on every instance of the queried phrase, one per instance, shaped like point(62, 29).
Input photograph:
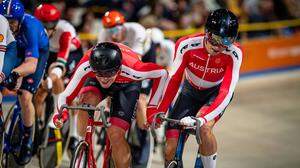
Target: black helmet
point(223, 23)
point(106, 59)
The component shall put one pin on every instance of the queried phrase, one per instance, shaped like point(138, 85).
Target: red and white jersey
point(203, 71)
point(135, 37)
point(132, 69)
point(6, 37)
point(64, 40)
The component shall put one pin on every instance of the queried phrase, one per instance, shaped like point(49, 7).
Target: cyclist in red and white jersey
point(65, 54)
point(116, 29)
point(113, 69)
point(211, 64)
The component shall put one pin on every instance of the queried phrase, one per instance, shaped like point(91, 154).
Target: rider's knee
point(89, 97)
point(26, 96)
point(206, 129)
point(116, 135)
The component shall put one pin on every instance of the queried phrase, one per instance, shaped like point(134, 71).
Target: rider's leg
point(120, 148)
point(208, 148)
point(28, 111)
point(122, 112)
point(86, 97)
point(171, 145)
point(28, 88)
point(38, 101)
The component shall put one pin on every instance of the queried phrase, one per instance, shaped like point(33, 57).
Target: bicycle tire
point(50, 153)
point(15, 140)
point(80, 157)
point(7, 124)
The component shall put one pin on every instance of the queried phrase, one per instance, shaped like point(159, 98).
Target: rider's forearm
point(27, 67)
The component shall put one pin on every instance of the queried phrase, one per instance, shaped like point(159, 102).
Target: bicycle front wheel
point(81, 155)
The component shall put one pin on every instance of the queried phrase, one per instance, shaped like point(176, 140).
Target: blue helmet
point(12, 9)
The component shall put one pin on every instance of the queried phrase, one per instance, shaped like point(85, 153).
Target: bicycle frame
point(179, 151)
point(90, 130)
point(88, 137)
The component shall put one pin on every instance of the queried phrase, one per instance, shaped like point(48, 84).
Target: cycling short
point(189, 102)
point(123, 103)
point(73, 60)
point(32, 81)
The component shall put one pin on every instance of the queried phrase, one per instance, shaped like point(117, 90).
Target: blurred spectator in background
point(266, 11)
point(174, 14)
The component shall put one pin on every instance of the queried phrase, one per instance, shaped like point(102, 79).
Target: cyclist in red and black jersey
point(113, 69)
point(211, 64)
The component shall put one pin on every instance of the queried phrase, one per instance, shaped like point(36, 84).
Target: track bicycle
point(13, 132)
point(184, 133)
point(84, 152)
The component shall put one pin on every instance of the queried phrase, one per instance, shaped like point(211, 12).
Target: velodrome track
point(261, 127)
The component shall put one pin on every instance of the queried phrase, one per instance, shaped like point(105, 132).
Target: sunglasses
point(50, 25)
point(106, 74)
point(219, 41)
point(115, 30)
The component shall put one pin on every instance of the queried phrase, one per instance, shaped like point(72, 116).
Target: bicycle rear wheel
point(81, 155)
point(51, 151)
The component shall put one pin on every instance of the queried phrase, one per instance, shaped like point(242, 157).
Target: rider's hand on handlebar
point(13, 81)
point(190, 122)
point(59, 120)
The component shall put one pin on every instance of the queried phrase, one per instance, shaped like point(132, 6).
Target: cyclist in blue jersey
point(30, 62)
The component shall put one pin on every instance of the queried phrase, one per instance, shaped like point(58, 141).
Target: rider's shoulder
point(135, 27)
point(30, 22)
point(235, 51)
point(65, 25)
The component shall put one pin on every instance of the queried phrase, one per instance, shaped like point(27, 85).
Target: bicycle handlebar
point(87, 107)
point(196, 127)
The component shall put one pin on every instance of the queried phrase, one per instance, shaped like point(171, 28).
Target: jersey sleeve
point(159, 76)
point(64, 47)
point(101, 36)
point(82, 72)
point(32, 36)
point(3, 37)
point(226, 89)
point(176, 73)
point(139, 40)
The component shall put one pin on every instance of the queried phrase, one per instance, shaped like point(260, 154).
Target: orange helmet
point(112, 19)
